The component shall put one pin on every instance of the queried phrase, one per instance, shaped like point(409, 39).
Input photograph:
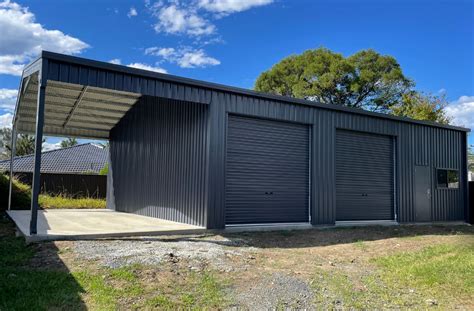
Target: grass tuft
point(360, 244)
point(450, 267)
point(160, 302)
point(441, 273)
point(201, 291)
point(56, 202)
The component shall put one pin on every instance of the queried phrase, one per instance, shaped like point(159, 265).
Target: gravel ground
point(277, 291)
point(199, 251)
point(272, 291)
point(277, 270)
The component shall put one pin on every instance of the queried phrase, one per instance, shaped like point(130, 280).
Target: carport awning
point(62, 95)
point(86, 98)
point(74, 109)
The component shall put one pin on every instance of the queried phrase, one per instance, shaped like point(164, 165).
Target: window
point(448, 179)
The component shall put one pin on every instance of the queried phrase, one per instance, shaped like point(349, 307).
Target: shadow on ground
point(334, 236)
point(313, 237)
point(34, 277)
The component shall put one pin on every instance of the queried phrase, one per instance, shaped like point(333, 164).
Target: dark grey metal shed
point(216, 156)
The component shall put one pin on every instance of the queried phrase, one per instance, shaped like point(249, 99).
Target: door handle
point(269, 192)
point(428, 193)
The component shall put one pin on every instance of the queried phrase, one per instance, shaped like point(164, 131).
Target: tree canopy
point(420, 106)
point(25, 144)
point(68, 142)
point(365, 80)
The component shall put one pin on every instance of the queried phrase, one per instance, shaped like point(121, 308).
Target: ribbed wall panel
point(364, 176)
point(159, 160)
point(108, 79)
point(188, 141)
point(267, 171)
point(414, 145)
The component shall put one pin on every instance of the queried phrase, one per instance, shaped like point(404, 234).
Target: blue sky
point(232, 41)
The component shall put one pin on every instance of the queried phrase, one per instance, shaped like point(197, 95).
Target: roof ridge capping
point(231, 89)
point(52, 150)
point(64, 148)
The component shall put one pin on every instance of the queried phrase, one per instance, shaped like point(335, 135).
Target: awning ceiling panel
point(72, 109)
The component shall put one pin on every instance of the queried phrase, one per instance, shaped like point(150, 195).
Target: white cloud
point(185, 57)
point(117, 61)
point(6, 120)
point(147, 67)
point(462, 111)
point(194, 17)
point(49, 146)
point(166, 53)
point(12, 64)
point(226, 7)
point(8, 99)
point(132, 12)
point(175, 20)
point(197, 58)
point(22, 38)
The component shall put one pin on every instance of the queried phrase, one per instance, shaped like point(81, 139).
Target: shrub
point(21, 195)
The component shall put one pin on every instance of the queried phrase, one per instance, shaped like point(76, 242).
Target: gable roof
point(83, 158)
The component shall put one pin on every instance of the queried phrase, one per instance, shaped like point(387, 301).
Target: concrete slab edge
point(98, 236)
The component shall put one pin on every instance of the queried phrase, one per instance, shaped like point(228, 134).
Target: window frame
point(447, 178)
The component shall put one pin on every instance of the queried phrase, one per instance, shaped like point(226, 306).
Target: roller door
point(267, 171)
point(364, 176)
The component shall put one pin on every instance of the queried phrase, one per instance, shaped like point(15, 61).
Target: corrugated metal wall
point(122, 81)
point(159, 160)
point(415, 144)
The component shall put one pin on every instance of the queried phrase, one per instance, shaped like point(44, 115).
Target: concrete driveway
point(65, 224)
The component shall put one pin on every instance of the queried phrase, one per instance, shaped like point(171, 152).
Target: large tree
point(364, 80)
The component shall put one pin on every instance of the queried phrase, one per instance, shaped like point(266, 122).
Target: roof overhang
point(87, 98)
point(74, 109)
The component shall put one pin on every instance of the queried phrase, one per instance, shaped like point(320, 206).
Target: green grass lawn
point(442, 271)
point(428, 271)
point(437, 275)
point(26, 287)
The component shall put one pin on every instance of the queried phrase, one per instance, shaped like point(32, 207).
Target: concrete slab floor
point(56, 224)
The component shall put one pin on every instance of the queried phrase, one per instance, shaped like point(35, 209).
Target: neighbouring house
point(218, 156)
point(72, 170)
point(79, 159)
